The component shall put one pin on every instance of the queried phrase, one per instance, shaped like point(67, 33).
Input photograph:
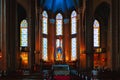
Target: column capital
point(80, 10)
point(66, 21)
point(52, 21)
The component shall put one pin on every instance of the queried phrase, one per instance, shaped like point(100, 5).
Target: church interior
point(85, 35)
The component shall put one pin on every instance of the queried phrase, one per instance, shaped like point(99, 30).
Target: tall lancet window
point(73, 34)
point(59, 20)
point(59, 33)
point(96, 33)
point(45, 33)
point(73, 23)
point(24, 33)
point(45, 22)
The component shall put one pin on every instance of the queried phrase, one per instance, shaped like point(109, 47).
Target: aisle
point(62, 77)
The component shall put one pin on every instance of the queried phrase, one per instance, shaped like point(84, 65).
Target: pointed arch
point(96, 33)
point(73, 39)
point(59, 33)
point(73, 22)
point(45, 39)
point(44, 22)
point(24, 33)
point(59, 24)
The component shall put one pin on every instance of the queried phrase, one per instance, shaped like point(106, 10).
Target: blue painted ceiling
point(59, 5)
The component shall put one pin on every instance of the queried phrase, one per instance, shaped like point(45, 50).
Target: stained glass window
point(45, 22)
point(59, 24)
point(73, 31)
point(59, 43)
point(59, 54)
point(44, 31)
point(73, 23)
point(74, 49)
point(24, 33)
point(96, 33)
point(44, 50)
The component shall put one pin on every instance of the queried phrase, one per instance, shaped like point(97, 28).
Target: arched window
point(59, 20)
point(59, 33)
point(73, 39)
point(44, 22)
point(45, 39)
point(96, 33)
point(73, 22)
point(24, 33)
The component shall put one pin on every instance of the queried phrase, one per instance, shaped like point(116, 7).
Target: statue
point(59, 52)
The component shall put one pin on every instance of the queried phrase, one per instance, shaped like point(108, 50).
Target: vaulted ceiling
point(59, 5)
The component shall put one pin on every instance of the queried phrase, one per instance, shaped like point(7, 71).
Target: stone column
point(89, 34)
point(32, 17)
point(40, 33)
point(10, 34)
point(119, 37)
point(0, 24)
point(51, 39)
point(37, 34)
point(66, 39)
point(115, 34)
point(3, 35)
point(79, 38)
point(8, 37)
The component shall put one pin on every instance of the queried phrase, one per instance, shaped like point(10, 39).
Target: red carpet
point(62, 77)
